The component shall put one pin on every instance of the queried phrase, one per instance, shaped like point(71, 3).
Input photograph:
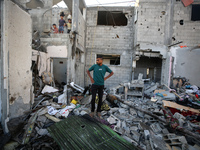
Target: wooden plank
point(179, 107)
point(158, 91)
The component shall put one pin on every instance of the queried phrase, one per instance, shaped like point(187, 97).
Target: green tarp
point(82, 133)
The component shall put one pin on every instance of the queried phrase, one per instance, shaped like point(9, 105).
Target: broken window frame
point(116, 58)
point(111, 18)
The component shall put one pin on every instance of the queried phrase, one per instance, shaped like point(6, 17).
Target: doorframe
point(51, 66)
point(4, 105)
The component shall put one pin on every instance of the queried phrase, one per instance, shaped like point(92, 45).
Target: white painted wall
point(19, 46)
point(186, 64)
point(17, 58)
point(42, 66)
point(56, 52)
point(44, 59)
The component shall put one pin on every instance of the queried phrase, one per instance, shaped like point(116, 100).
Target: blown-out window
point(195, 12)
point(111, 18)
point(111, 59)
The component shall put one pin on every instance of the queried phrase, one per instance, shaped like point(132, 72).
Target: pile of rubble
point(146, 115)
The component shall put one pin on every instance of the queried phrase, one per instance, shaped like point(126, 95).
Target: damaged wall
point(74, 43)
point(162, 23)
point(44, 59)
point(112, 40)
point(81, 31)
point(3, 90)
point(153, 30)
point(186, 64)
point(151, 21)
point(80, 51)
point(18, 49)
point(42, 19)
point(184, 29)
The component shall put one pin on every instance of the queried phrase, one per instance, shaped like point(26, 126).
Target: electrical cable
point(108, 11)
point(110, 3)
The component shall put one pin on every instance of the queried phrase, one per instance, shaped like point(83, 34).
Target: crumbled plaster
point(154, 48)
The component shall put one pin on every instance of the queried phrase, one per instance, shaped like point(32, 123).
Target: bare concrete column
point(75, 8)
point(4, 105)
point(84, 13)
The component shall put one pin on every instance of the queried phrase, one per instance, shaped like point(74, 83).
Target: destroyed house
point(152, 100)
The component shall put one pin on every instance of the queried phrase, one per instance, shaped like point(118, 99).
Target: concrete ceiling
point(69, 4)
point(56, 2)
point(34, 4)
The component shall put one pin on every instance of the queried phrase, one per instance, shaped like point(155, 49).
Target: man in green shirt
point(99, 71)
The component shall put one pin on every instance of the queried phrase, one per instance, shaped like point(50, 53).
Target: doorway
point(59, 69)
point(150, 67)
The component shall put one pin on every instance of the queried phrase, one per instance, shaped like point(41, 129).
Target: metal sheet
point(77, 132)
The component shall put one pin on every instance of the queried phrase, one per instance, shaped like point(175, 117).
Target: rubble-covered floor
point(156, 118)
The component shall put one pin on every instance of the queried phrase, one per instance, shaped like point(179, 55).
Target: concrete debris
point(112, 120)
point(49, 89)
point(63, 97)
point(146, 134)
point(137, 119)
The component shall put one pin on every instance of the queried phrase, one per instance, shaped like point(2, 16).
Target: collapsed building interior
point(150, 45)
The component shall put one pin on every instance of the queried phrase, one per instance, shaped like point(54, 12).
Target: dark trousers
point(95, 89)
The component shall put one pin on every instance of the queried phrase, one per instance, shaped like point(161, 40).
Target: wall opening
point(60, 70)
point(111, 59)
point(195, 12)
point(111, 18)
point(150, 67)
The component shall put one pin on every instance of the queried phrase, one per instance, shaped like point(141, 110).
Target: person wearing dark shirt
point(62, 23)
point(99, 71)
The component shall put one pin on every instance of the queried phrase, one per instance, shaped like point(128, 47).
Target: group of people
point(99, 70)
point(62, 24)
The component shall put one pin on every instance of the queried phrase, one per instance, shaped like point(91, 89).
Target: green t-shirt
point(99, 73)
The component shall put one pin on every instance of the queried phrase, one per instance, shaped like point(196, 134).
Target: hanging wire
point(110, 3)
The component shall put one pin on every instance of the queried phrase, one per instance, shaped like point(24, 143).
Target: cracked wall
point(18, 52)
point(189, 32)
point(162, 23)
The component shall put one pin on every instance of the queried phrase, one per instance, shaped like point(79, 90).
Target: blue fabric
point(61, 28)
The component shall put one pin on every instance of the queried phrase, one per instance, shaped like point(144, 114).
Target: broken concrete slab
point(49, 89)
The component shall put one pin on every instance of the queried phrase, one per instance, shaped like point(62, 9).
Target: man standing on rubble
point(99, 71)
